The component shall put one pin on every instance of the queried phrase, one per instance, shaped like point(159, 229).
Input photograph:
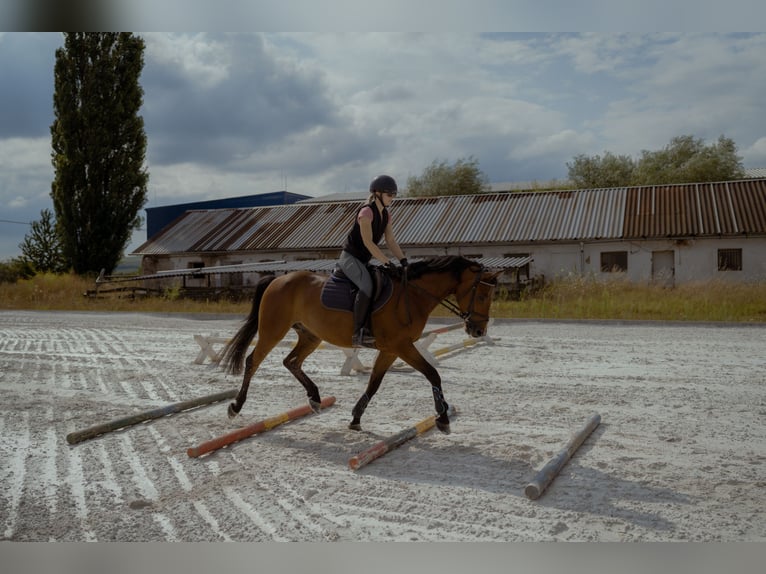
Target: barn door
point(663, 268)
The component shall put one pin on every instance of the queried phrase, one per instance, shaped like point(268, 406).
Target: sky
point(316, 113)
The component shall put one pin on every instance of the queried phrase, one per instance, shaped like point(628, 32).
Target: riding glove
point(392, 269)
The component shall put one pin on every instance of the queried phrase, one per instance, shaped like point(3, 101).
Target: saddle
point(339, 291)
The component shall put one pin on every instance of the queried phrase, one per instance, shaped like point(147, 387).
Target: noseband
point(469, 315)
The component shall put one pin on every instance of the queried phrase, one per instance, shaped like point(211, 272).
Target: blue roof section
point(158, 217)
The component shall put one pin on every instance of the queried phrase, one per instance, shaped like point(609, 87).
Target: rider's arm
point(392, 244)
point(365, 226)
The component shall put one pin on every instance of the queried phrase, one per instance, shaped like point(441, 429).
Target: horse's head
point(474, 297)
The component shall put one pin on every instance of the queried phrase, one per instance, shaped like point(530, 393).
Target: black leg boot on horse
point(362, 336)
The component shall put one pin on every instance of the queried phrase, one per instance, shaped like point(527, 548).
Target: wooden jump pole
point(454, 347)
point(255, 428)
point(79, 436)
point(442, 330)
point(552, 468)
point(394, 441)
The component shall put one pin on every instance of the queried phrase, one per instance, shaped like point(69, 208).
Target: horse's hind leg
point(307, 344)
point(382, 363)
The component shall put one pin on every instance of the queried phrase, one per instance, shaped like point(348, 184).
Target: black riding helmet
point(383, 183)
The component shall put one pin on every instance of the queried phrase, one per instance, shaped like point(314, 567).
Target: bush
point(15, 269)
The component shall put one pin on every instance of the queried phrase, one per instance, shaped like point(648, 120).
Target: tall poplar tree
point(99, 147)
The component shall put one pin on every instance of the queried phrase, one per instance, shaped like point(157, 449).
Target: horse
point(293, 301)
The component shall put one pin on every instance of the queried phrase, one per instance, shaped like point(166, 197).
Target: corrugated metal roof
point(513, 217)
point(160, 216)
point(696, 210)
point(685, 210)
point(756, 172)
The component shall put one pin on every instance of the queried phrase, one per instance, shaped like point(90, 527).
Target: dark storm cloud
point(255, 104)
point(26, 90)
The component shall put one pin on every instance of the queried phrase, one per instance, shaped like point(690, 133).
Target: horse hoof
point(444, 427)
point(315, 406)
point(232, 412)
point(355, 426)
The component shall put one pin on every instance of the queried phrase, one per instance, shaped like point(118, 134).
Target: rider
point(371, 224)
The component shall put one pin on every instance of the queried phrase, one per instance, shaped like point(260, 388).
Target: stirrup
point(363, 338)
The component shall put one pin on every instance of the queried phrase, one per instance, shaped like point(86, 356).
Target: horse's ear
point(493, 276)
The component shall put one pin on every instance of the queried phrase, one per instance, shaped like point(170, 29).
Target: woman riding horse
point(372, 222)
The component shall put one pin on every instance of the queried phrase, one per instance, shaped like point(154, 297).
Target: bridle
point(466, 316)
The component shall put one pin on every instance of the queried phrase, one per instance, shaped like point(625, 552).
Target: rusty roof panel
point(549, 216)
point(697, 209)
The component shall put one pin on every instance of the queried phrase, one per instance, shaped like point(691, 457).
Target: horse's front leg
point(382, 363)
point(413, 358)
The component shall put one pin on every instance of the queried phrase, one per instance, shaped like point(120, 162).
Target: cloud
point(755, 155)
point(316, 113)
point(25, 175)
point(227, 97)
point(26, 91)
point(704, 85)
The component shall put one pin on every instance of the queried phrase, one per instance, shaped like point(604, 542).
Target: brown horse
point(293, 301)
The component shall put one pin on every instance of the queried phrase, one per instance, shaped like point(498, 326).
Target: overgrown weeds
point(576, 297)
point(49, 292)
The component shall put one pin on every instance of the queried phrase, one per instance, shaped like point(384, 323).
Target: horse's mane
point(455, 264)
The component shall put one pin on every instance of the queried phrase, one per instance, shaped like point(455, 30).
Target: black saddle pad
point(339, 292)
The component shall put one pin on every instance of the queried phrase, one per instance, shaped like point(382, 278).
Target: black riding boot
point(362, 336)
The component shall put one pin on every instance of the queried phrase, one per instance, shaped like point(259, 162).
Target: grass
point(48, 292)
point(568, 298)
point(583, 298)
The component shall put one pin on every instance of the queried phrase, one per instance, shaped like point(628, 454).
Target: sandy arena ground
point(680, 454)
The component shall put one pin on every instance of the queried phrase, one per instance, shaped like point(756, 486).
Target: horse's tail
point(233, 354)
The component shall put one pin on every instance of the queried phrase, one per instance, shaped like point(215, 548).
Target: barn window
point(614, 261)
point(196, 265)
point(730, 260)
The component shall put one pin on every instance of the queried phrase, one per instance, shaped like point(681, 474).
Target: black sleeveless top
point(354, 244)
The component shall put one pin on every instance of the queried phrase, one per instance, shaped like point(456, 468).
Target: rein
point(449, 305)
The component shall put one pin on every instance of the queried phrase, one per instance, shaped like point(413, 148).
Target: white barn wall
point(693, 259)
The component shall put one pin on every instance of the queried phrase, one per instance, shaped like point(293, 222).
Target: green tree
point(41, 247)
point(596, 171)
point(461, 178)
point(99, 147)
point(687, 159)
point(14, 269)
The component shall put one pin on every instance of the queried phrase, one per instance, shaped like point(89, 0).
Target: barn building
point(664, 233)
